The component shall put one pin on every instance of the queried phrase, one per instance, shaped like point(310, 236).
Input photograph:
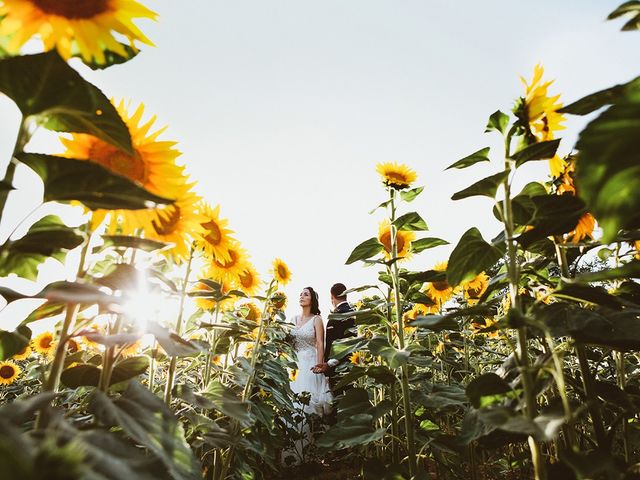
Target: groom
point(336, 329)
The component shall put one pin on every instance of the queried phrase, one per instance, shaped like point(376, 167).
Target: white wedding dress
point(306, 381)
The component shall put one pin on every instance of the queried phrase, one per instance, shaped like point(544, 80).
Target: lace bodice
point(305, 337)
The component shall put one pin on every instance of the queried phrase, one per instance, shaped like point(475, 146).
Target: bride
point(308, 335)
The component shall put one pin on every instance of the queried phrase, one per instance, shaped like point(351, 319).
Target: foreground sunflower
point(9, 371)
point(539, 113)
point(279, 300)
point(153, 166)
point(44, 344)
point(403, 240)
point(396, 175)
point(251, 312)
point(281, 272)
point(584, 229)
point(82, 26)
point(439, 292)
point(216, 238)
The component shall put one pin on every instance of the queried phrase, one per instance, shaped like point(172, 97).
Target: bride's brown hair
point(315, 304)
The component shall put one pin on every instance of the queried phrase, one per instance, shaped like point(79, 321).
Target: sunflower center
point(282, 271)
point(246, 279)
point(214, 236)
point(397, 178)
point(7, 371)
point(233, 259)
point(130, 166)
point(165, 225)
point(385, 239)
point(45, 342)
point(440, 286)
point(74, 9)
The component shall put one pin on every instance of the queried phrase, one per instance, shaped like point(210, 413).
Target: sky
point(282, 109)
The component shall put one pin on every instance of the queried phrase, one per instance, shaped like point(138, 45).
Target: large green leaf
point(353, 431)
point(173, 344)
point(81, 375)
point(471, 256)
point(48, 237)
point(486, 187)
point(411, 195)
point(69, 292)
point(481, 155)
point(366, 250)
point(393, 357)
point(600, 99)
point(498, 121)
point(523, 208)
point(67, 179)
point(482, 390)
point(45, 86)
point(553, 215)
point(425, 243)
point(13, 342)
point(225, 400)
point(435, 323)
point(537, 151)
point(148, 421)
point(630, 8)
point(126, 241)
point(411, 221)
point(608, 168)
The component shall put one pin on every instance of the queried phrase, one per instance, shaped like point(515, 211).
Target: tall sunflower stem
point(406, 392)
point(211, 352)
point(168, 392)
point(395, 446)
point(522, 354)
point(588, 382)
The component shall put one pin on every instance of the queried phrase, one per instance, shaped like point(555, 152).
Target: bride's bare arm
point(319, 327)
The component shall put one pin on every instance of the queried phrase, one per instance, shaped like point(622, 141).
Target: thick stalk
point(152, 365)
point(588, 382)
point(211, 352)
point(109, 358)
point(395, 447)
point(522, 350)
point(174, 360)
point(404, 384)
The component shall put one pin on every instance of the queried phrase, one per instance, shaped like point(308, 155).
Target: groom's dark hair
point(315, 304)
point(338, 290)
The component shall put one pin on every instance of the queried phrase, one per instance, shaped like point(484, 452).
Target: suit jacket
point(337, 329)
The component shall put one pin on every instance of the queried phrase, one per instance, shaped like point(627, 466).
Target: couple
point(316, 368)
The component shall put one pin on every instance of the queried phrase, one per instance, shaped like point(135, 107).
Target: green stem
point(211, 352)
point(514, 281)
point(174, 360)
point(395, 447)
point(406, 392)
point(622, 383)
point(588, 382)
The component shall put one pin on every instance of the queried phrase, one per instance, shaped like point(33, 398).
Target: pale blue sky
point(283, 108)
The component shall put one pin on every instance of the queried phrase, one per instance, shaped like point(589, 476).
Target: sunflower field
point(166, 353)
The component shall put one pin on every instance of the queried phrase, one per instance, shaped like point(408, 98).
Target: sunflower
point(439, 350)
point(420, 309)
point(539, 112)
point(474, 288)
point(279, 300)
point(85, 26)
point(293, 375)
point(178, 224)
point(44, 344)
point(395, 175)
point(356, 358)
point(584, 228)
point(636, 245)
point(153, 167)
point(281, 272)
point(9, 371)
point(439, 292)
point(216, 238)
point(478, 328)
point(229, 270)
point(403, 240)
point(249, 281)
point(23, 354)
point(73, 345)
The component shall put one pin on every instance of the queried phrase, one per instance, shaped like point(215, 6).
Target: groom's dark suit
point(337, 329)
